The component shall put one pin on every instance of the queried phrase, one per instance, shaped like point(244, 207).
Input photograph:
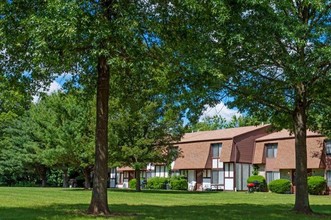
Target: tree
point(277, 63)
point(90, 40)
point(144, 116)
point(64, 125)
point(272, 57)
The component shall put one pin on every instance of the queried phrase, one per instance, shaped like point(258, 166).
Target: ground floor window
point(218, 177)
point(161, 171)
point(328, 178)
point(183, 173)
point(206, 173)
point(272, 175)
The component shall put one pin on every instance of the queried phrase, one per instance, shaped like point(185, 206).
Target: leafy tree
point(277, 58)
point(91, 40)
point(208, 124)
point(144, 117)
point(65, 126)
point(272, 57)
point(217, 122)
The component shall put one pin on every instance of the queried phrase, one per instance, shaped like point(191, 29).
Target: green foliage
point(316, 185)
point(261, 180)
point(157, 183)
point(178, 183)
point(218, 122)
point(280, 186)
point(132, 183)
point(255, 171)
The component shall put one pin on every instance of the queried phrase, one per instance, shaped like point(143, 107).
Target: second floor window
point(216, 148)
point(271, 150)
point(328, 147)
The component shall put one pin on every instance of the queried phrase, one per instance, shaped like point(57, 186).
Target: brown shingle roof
point(221, 134)
point(286, 150)
point(194, 156)
point(195, 146)
point(283, 134)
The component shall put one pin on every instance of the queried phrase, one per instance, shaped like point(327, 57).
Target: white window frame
point(273, 148)
point(275, 175)
point(217, 146)
point(327, 144)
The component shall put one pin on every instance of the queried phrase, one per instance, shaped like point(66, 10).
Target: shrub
point(178, 183)
point(281, 186)
point(316, 185)
point(261, 180)
point(132, 183)
point(157, 183)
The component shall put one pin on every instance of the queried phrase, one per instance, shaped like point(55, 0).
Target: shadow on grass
point(124, 211)
point(162, 191)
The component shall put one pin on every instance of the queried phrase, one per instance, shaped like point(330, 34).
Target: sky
point(220, 109)
point(55, 86)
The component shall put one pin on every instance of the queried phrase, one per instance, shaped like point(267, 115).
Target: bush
point(316, 185)
point(157, 183)
point(261, 180)
point(178, 183)
point(132, 183)
point(281, 186)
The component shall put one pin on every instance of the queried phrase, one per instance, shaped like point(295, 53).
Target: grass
point(57, 203)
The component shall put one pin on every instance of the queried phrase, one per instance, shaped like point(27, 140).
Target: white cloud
point(53, 87)
point(221, 110)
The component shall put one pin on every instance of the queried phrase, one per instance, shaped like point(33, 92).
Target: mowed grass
point(57, 203)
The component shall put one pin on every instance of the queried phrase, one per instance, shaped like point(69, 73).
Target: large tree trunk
point(99, 201)
point(300, 132)
point(137, 173)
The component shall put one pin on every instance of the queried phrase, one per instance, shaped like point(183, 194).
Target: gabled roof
point(285, 158)
point(221, 134)
point(195, 146)
point(285, 134)
point(195, 156)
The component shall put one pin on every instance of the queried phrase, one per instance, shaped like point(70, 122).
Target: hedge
point(316, 185)
point(281, 186)
point(260, 180)
point(157, 183)
point(132, 183)
point(178, 183)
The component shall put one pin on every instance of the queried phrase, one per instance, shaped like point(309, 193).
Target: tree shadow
point(162, 191)
point(125, 211)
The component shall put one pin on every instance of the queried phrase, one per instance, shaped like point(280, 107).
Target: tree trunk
point(300, 132)
point(42, 172)
point(43, 178)
point(137, 173)
point(65, 178)
point(87, 177)
point(99, 201)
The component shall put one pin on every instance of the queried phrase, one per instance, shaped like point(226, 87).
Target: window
point(218, 177)
point(161, 171)
point(272, 175)
point(206, 173)
point(183, 173)
point(216, 149)
point(328, 178)
point(271, 150)
point(328, 147)
point(126, 175)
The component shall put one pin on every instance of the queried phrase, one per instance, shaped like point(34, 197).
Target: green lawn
point(57, 203)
